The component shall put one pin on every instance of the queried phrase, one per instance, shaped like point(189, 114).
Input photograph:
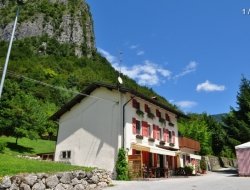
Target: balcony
point(185, 142)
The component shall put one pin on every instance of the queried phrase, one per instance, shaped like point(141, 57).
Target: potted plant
point(151, 115)
point(162, 121)
point(151, 139)
point(162, 142)
point(171, 144)
point(139, 136)
point(139, 112)
point(203, 166)
point(171, 124)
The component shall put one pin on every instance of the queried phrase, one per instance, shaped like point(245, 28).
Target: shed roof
point(78, 98)
point(245, 145)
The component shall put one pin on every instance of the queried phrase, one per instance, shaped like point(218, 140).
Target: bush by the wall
point(203, 164)
point(188, 169)
point(122, 165)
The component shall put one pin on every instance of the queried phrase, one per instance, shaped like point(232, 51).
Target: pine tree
point(238, 120)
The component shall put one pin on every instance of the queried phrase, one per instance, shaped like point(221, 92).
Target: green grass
point(10, 165)
point(26, 146)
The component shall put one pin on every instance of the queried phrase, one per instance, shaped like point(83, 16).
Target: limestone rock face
point(67, 21)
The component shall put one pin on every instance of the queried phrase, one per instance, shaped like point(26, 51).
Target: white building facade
point(94, 126)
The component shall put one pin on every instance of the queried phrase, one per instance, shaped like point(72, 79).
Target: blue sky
point(191, 52)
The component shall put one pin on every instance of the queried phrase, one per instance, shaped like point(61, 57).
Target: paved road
point(223, 180)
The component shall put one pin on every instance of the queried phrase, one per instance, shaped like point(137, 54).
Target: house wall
point(91, 130)
point(130, 112)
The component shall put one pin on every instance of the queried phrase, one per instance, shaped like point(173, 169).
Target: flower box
point(151, 115)
point(139, 136)
point(162, 142)
point(171, 144)
point(171, 124)
point(139, 113)
point(151, 139)
point(162, 121)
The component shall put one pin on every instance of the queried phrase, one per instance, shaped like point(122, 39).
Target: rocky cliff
point(68, 21)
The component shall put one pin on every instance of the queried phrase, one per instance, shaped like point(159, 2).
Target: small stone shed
point(243, 159)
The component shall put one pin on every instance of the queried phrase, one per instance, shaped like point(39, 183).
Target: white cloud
point(209, 87)
point(140, 52)
point(147, 73)
point(186, 104)
point(191, 67)
point(112, 59)
point(133, 46)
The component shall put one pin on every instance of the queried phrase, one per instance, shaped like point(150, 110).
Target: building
point(189, 149)
point(103, 118)
point(243, 159)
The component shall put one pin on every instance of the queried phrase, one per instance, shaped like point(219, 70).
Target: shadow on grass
point(18, 148)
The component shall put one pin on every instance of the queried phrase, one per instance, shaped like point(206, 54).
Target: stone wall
point(75, 180)
point(217, 162)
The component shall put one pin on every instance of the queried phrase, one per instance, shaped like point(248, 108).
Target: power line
point(53, 86)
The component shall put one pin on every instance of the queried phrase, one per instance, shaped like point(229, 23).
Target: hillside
point(43, 62)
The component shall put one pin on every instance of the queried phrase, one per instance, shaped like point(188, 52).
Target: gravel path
point(221, 180)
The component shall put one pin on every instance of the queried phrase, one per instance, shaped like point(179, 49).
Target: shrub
point(121, 165)
point(203, 164)
point(188, 169)
point(2, 146)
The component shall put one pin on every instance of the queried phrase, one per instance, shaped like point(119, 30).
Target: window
point(138, 127)
point(66, 154)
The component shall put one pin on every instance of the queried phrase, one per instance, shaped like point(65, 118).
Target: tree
point(218, 134)
point(197, 129)
point(22, 115)
point(238, 120)
point(122, 165)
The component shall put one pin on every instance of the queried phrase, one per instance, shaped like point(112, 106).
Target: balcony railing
point(185, 142)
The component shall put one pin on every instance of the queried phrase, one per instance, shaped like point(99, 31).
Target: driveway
point(221, 180)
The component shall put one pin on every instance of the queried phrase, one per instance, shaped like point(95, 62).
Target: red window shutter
point(144, 128)
point(146, 108)
point(134, 125)
point(154, 132)
point(158, 113)
point(134, 103)
point(167, 135)
point(158, 132)
point(167, 117)
point(164, 135)
point(173, 137)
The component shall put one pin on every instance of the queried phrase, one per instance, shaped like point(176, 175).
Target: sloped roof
point(245, 145)
point(78, 98)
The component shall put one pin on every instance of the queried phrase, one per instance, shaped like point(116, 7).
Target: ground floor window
point(66, 154)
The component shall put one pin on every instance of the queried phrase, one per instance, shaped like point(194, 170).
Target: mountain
point(53, 57)
point(219, 117)
point(68, 21)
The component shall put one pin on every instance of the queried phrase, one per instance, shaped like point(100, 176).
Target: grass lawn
point(27, 146)
point(10, 164)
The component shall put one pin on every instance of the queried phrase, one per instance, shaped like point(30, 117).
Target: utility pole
point(19, 2)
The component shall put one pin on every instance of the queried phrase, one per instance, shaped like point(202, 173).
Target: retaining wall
point(75, 180)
